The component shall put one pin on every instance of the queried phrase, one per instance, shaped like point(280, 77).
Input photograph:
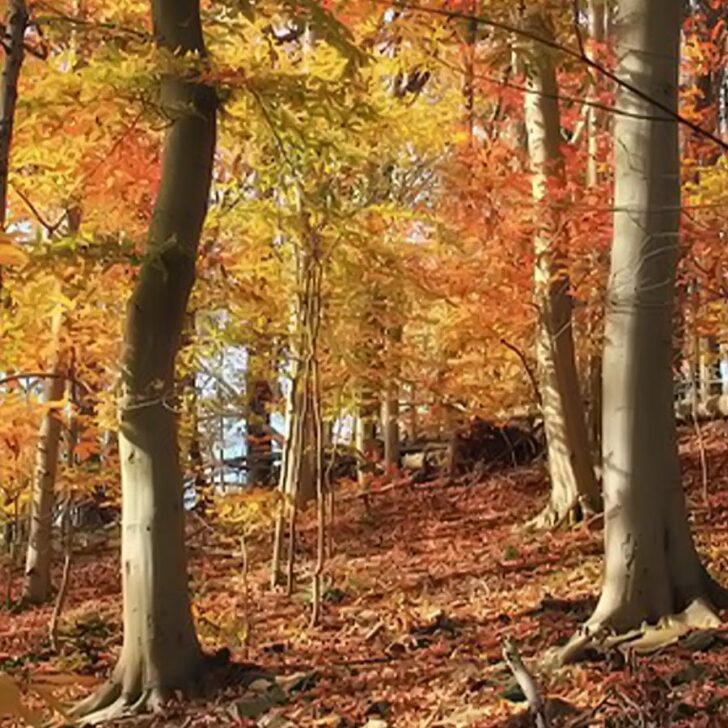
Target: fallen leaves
point(426, 591)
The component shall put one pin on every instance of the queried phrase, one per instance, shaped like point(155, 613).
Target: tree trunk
point(598, 10)
point(39, 555)
point(40, 544)
point(390, 428)
point(365, 435)
point(573, 483)
point(15, 25)
point(651, 565)
point(161, 652)
point(299, 455)
point(257, 424)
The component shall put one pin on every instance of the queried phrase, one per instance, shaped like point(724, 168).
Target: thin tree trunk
point(573, 483)
point(390, 428)
point(40, 548)
point(37, 587)
point(195, 459)
point(15, 24)
point(257, 424)
point(67, 541)
point(298, 465)
point(301, 451)
point(365, 435)
point(651, 566)
point(161, 652)
point(597, 29)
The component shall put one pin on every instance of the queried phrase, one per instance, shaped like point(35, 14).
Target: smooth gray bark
point(598, 12)
point(573, 482)
point(651, 565)
point(37, 587)
point(161, 652)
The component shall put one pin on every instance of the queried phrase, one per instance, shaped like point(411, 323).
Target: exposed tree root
point(553, 517)
point(644, 640)
point(547, 518)
point(106, 695)
point(124, 695)
point(112, 703)
point(123, 707)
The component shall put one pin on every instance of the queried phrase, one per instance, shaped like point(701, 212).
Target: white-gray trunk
point(598, 11)
point(37, 588)
point(597, 27)
point(297, 478)
point(651, 566)
point(573, 482)
point(161, 652)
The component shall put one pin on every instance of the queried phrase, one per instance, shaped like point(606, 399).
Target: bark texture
point(39, 554)
point(16, 21)
point(598, 11)
point(651, 566)
point(573, 483)
point(161, 652)
point(37, 587)
point(15, 25)
point(299, 455)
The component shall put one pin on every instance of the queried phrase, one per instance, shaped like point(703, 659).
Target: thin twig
point(527, 367)
point(527, 684)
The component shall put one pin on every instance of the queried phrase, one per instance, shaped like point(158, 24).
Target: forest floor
point(425, 585)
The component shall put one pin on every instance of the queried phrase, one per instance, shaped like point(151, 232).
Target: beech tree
point(15, 23)
point(573, 483)
point(652, 569)
point(161, 652)
point(38, 556)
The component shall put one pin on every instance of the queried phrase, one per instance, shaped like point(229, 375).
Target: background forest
point(363, 363)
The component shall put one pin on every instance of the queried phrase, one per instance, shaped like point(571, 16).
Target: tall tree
point(598, 11)
point(573, 483)
point(161, 652)
point(39, 552)
point(15, 25)
point(652, 569)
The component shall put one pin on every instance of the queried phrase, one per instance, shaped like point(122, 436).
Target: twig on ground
point(527, 684)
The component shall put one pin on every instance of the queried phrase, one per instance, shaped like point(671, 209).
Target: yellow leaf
point(55, 404)
point(10, 253)
point(11, 702)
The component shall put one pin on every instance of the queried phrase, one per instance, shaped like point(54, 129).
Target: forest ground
point(424, 587)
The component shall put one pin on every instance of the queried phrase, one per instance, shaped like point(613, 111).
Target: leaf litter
point(425, 585)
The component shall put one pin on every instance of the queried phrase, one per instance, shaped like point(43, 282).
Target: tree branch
point(571, 53)
point(45, 375)
point(527, 367)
